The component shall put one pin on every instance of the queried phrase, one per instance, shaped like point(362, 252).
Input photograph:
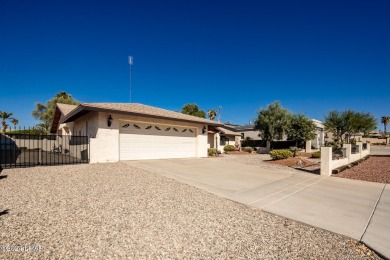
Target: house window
point(242, 136)
point(223, 140)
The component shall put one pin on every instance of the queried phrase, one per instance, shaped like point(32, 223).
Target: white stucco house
point(130, 131)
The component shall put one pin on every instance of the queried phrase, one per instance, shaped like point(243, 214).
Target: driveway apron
point(357, 209)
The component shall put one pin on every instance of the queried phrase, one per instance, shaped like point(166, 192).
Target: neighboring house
point(245, 130)
point(319, 141)
point(132, 131)
point(250, 131)
point(219, 137)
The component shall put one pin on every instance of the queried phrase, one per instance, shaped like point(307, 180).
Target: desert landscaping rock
point(375, 169)
point(104, 211)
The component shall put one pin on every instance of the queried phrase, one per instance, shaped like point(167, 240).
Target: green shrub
point(316, 154)
point(294, 150)
point(248, 149)
point(212, 151)
point(280, 154)
point(229, 148)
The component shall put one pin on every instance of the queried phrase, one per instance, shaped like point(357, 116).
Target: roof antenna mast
point(131, 65)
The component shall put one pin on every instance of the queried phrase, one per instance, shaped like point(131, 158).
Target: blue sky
point(312, 56)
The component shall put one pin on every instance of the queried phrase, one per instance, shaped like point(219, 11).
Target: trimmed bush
point(248, 149)
point(280, 154)
point(316, 154)
point(212, 151)
point(229, 148)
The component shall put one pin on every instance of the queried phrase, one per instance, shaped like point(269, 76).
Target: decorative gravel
point(105, 211)
point(375, 169)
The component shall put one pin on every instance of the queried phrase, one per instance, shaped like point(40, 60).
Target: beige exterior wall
point(232, 141)
point(252, 134)
point(104, 140)
point(211, 140)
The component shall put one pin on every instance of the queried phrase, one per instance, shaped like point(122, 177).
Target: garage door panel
point(150, 141)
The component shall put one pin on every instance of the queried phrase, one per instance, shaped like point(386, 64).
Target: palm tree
point(63, 95)
point(4, 116)
point(212, 114)
point(385, 120)
point(14, 121)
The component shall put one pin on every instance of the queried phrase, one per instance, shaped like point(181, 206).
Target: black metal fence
point(355, 149)
point(339, 153)
point(27, 150)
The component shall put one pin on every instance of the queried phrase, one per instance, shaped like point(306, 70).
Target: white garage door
point(139, 141)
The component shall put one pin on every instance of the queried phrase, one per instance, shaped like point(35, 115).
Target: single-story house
point(130, 131)
point(250, 131)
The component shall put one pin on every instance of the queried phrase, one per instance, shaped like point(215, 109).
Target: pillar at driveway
point(308, 146)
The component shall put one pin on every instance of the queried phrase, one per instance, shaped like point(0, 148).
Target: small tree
point(347, 123)
point(273, 122)
point(45, 113)
point(335, 122)
point(301, 129)
point(361, 123)
point(193, 110)
point(4, 116)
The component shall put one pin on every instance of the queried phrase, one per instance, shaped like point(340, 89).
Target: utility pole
point(131, 65)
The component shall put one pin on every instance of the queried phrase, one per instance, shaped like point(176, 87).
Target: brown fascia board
point(55, 121)
point(82, 110)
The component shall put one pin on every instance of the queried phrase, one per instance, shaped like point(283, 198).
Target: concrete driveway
point(357, 209)
point(380, 150)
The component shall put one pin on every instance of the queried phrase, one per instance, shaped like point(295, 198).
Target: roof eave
point(82, 110)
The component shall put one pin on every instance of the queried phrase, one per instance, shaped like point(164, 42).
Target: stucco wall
point(252, 134)
point(232, 141)
point(211, 140)
point(86, 125)
point(104, 142)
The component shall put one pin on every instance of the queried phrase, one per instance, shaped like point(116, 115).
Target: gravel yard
point(375, 169)
point(104, 211)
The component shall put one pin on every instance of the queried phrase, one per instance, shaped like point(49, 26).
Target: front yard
point(118, 211)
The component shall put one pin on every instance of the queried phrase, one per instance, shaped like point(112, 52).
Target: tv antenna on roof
point(131, 65)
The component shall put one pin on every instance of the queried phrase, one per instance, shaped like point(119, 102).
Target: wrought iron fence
point(27, 150)
point(355, 149)
point(339, 153)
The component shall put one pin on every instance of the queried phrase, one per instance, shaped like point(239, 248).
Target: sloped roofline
point(85, 108)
